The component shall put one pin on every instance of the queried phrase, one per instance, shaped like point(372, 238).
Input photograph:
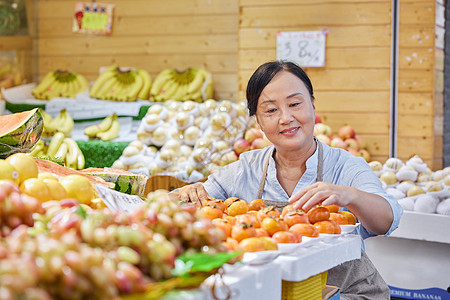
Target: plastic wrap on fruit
point(393, 164)
point(443, 207)
point(407, 173)
point(417, 163)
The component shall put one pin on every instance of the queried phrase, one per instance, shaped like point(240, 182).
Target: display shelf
point(426, 227)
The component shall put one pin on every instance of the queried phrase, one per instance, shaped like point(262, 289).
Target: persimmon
point(261, 232)
point(333, 208)
point(230, 219)
point(249, 219)
point(305, 229)
point(237, 208)
point(294, 217)
point(339, 218)
point(272, 225)
point(211, 212)
point(269, 243)
point(337, 227)
point(230, 200)
point(287, 209)
point(252, 244)
point(286, 237)
point(256, 204)
point(268, 211)
point(327, 226)
point(350, 217)
point(224, 225)
point(242, 231)
point(317, 214)
point(215, 203)
point(231, 244)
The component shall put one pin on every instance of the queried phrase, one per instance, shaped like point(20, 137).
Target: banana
point(82, 83)
point(122, 92)
point(136, 87)
point(80, 161)
point(111, 133)
point(104, 125)
point(160, 81)
point(62, 151)
point(144, 93)
point(49, 129)
point(55, 143)
point(42, 87)
point(101, 80)
point(196, 84)
point(106, 87)
point(169, 90)
point(72, 154)
point(39, 146)
point(63, 123)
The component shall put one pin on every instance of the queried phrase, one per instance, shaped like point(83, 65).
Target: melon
point(20, 131)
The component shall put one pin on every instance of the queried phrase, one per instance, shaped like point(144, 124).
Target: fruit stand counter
point(415, 260)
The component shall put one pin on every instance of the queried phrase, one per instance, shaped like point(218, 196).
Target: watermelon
point(20, 131)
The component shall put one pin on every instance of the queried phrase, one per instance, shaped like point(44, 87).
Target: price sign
point(117, 201)
point(305, 48)
point(91, 17)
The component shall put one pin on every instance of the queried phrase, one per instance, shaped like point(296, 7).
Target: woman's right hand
point(194, 193)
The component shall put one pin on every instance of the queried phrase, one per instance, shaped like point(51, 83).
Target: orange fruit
point(305, 229)
point(350, 217)
point(268, 211)
point(286, 209)
point(232, 244)
point(242, 231)
point(57, 191)
point(78, 187)
point(272, 225)
point(339, 218)
point(237, 208)
point(333, 208)
point(286, 237)
point(211, 212)
point(318, 213)
point(295, 216)
point(224, 225)
point(252, 244)
point(229, 200)
point(326, 226)
point(261, 232)
point(269, 243)
point(36, 188)
point(249, 219)
point(256, 204)
point(215, 203)
point(25, 165)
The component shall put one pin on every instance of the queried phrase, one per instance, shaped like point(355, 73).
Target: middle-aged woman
point(298, 168)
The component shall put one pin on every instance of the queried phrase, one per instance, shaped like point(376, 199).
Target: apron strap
point(266, 165)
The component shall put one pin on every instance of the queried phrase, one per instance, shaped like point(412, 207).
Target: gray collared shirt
point(241, 179)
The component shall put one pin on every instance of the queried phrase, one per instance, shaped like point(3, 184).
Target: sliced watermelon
point(20, 131)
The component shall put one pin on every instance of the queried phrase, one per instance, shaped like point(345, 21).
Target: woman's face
point(285, 112)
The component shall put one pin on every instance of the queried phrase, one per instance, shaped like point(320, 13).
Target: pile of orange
point(256, 227)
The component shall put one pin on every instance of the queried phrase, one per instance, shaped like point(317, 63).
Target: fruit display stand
point(414, 260)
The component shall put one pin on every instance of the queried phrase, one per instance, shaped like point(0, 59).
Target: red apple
point(361, 142)
point(346, 132)
point(318, 118)
point(337, 142)
point(240, 146)
point(321, 128)
point(252, 133)
point(228, 158)
point(260, 143)
point(323, 138)
point(352, 144)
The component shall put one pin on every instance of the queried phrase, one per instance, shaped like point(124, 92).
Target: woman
point(298, 168)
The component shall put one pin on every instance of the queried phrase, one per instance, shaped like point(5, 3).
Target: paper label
point(91, 17)
point(305, 48)
point(117, 201)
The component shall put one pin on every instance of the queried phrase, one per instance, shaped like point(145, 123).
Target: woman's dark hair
point(264, 74)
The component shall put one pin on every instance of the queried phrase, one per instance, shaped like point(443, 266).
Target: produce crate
point(308, 289)
point(165, 182)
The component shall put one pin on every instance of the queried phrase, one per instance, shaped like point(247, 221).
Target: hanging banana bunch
point(107, 130)
point(191, 84)
point(60, 84)
point(122, 85)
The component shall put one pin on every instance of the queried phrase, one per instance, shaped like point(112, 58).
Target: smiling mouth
point(290, 130)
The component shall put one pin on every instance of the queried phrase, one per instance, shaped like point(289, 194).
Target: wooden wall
point(147, 34)
point(420, 81)
point(354, 86)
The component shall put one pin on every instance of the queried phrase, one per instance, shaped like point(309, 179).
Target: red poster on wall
point(93, 17)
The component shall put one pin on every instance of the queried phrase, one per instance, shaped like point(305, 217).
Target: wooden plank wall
point(420, 88)
point(147, 34)
point(354, 86)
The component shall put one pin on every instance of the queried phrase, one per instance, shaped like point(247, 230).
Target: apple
point(324, 139)
point(337, 142)
point(260, 143)
point(353, 151)
point(361, 142)
point(346, 132)
point(241, 146)
point(365, 154)
point(318, 118)
point(228, 158)
point(352, 143)
point(252, 133)
point(321, 128)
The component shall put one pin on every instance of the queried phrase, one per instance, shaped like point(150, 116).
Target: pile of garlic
point(414, 185)
point(185, 139)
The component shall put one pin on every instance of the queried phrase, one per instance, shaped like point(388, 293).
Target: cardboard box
point(331, 293)
point(165, 182)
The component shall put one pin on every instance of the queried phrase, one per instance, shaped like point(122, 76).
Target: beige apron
point(357, 279)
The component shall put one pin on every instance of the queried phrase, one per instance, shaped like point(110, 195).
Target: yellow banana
point(73, 152)
point(39, 146)
point(144, 93)
point(54, 90)
point(169, 90)
point(104, 125)
point(62, 151)
point(80, 161)
point(49, 129)
point(111, 133)
point(82, 83)
point(55, 143)
point(103, 92)
point(101, 80)
point(42, 87)
point(196, 84)
point(122, 92)
point(66, 123)
point(159, 81)
point(136, 86)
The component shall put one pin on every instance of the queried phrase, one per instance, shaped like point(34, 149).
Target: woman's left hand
point(321, 193)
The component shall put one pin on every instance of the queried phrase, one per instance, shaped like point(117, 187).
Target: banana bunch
point(192, 84)
point(107, 130)
point(60, 84)
point(122, 85)
point(61, 148)
point(61, 123)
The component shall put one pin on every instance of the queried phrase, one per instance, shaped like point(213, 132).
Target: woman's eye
point(295, 104)
point(271, 111)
